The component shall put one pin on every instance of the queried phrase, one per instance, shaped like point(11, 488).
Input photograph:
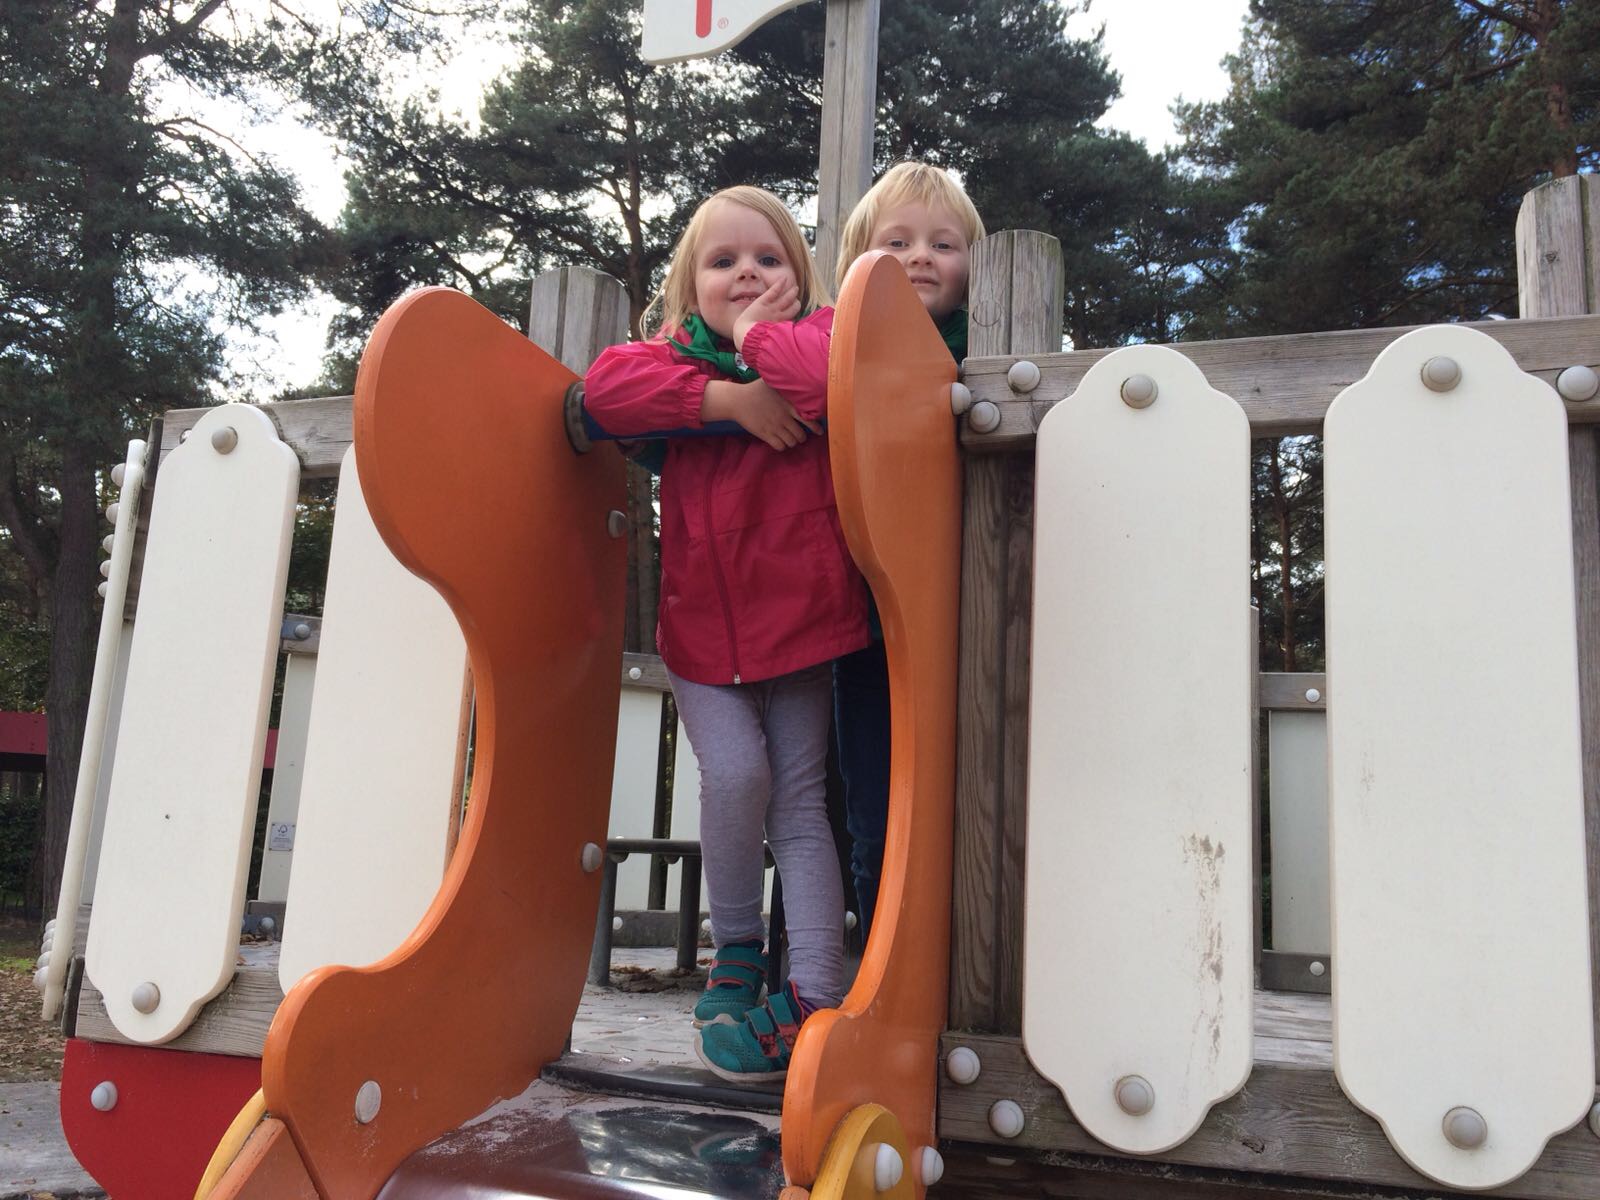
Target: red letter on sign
point(702, 18)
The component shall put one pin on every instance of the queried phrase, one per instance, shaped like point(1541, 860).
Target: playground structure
point(1067, 974)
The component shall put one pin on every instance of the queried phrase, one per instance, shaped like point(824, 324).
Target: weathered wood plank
point(318, 431)
point(849, 103)
point(1017, 648)
point(235, 1022)
point(1287, 690)
point(652, 672)
point(1556, 271)
point(1289, 1120)
point(1284, 384)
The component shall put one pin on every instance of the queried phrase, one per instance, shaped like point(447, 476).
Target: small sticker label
point(280, 835)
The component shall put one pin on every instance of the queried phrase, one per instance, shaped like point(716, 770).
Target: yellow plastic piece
point(232, 1142)
point(848, 1164)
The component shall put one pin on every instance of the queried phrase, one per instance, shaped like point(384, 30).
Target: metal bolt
point(983, 417)
point(1134, 1095)
point(1023, 376)
point(146, 997)
point(930, 1166)
point(963, 1065)
point(1578, 383)
point(369, 1099)
point(1441, 373)
point(1318, 968)
point(1006, 1119)
point(225, 439)
point(887, 1167)
point(1139, 391)
point(112, 510)
point(104, 1096)
point(1312, 695)
point(960, 398)
point(1465, 1128)
point(591, 858)
point(119, 473)
point(616, 523)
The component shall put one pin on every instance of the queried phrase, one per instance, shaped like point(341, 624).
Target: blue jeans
point(861, 733)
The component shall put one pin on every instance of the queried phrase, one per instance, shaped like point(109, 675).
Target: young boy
point(917, 213)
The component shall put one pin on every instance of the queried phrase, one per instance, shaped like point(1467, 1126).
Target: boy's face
point(933, 250)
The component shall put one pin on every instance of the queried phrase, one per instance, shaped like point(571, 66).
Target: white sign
point(678, 29)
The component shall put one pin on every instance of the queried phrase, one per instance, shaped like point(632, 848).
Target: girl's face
point(933, 250)
point(739, 257)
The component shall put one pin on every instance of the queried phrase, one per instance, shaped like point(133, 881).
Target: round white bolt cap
point(1594, 1119)
point(616, 924)
point(1023, 376)
point(302, 631)
point(112, 510)
point(1318, 968)
point(705, 926)
point(225, 439)
point(104, 1096)
point(592, 857)
point(887, 1167)
point(146, 997)
point(268, 924)
point(1465, 1128)
point(1312, 695)
point(960, 398)
point(50, 926)
point(102, 589)
point(616, 523)
point(983, 417)
point(930, 1166)
point(963, 1065)
point(44, 960)
point(41, 978)
point(1134, 1095)
point(1139, 391)
point(1006, 1119)
point(1578, 383)
point(1441, 373)
point(107, 542)
point(635, 673)
point(850, 921)
point(105, 568)
point(369, 1099)
point(119, 473)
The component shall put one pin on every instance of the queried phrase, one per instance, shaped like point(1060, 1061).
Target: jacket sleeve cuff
point(755, 341)
point(691, 395)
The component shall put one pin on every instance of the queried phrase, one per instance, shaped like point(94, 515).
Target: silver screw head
point(983, 417)
point(223, 440)
point(1134, 1095)
point(146, 998)
point(960, 398)
point(1023, 376)
point(369, 1099)
point(104, 1096)
point(1441, 373)
point(591, 857)
point(616, 523)
point(1139, 391)
point(1465, 1128)
point(1578, 384)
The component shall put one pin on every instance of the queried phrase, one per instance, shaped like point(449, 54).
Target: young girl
point(758, 594)
point(920, 215)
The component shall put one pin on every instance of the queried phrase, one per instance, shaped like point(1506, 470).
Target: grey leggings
point(762, 749)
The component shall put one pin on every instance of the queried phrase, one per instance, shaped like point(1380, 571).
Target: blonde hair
point(905, 183)
point(676, 299)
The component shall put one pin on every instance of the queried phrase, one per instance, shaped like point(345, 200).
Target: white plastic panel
point(675, 30)
point(1460, 952)
point(1138, 944)
point(288, 767)
point(1297, 758)
point(187, 777)
point(372, 831)
point(633, 788)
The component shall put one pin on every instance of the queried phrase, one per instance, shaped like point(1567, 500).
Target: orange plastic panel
point(268, 1168)
point(897, 472)
point(471, 481)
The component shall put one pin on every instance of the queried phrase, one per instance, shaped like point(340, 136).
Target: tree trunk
point(1280, 507)
point(72, 644)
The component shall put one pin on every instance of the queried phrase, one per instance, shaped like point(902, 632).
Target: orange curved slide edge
point(470, 479)
point(897, 474)
point(268, 1168)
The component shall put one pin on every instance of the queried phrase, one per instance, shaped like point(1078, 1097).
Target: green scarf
point(953, 329)
point(703, 345)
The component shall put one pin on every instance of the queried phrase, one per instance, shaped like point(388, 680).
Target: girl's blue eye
point(897, 243)
point(771, 260)
point(943, 246)
point(722, 261)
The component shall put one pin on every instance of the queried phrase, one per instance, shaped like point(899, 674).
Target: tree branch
point(22, 527)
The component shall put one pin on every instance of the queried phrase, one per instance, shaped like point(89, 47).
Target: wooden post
point(1015, 308)
point(1558, 275)
point(849, 105)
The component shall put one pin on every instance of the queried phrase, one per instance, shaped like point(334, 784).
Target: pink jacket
point(756, 579)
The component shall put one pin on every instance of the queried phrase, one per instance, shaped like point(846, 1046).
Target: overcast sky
point(1163, 49)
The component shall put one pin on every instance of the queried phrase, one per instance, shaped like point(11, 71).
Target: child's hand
point(760, 410)
point(780, 302)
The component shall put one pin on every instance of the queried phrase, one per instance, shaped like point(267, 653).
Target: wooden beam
point(1280, 690)
point(1290, 1119)
point(1284, 384)
point(849, 109)
point(318, 431)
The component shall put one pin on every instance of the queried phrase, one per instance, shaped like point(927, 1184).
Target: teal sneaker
point(756, 1049)
point(737, 979)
